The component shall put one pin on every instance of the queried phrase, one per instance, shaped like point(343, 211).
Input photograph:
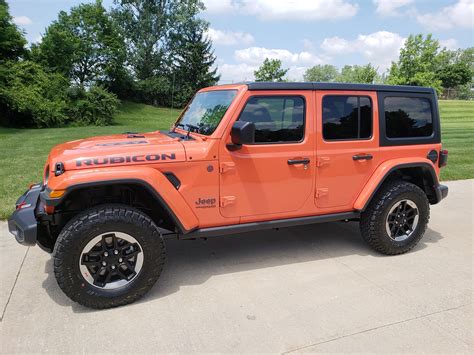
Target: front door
point(273, 177)
point(346, 148)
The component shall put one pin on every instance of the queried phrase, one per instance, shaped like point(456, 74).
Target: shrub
point(31, 96)
point(95, 106)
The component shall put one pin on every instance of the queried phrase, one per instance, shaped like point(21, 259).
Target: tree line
point(422, 62)
point(151, 51)
point(157, 52)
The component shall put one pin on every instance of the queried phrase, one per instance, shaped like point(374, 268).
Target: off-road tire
point(101, 219)
point(373, 219)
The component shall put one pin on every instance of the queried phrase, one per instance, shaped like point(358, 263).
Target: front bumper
point(441, 192)
point(23, 223)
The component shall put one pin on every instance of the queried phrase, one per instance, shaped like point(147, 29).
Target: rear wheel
point(108, 256)
point(396, 218)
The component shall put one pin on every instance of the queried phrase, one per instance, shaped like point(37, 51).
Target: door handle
point(304, 161)
point(362, 157)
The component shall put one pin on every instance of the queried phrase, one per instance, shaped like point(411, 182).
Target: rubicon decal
point(125, 159)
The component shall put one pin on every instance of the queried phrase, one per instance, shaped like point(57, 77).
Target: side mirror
point(242, 133)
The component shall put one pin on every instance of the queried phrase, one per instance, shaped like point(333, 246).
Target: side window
point(277, 119)
point(408, 117)
point(347, 117)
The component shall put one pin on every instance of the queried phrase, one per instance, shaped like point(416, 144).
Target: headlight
point(46, 176)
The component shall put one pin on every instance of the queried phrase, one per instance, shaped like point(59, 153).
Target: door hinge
point(321, 161)
point(225, 167)
point(227, 200)
point(322, 192)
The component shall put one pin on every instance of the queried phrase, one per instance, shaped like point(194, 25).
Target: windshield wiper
point(190, 127)
point(177, 125)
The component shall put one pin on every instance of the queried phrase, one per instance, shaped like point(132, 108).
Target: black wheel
point(396, 218)
point(108, 256)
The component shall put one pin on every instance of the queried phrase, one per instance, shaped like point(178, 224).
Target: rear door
point(275, 175)
point(347, 146)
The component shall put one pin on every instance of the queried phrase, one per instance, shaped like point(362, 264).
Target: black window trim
point(435, 136)
point(273, 96)
point(358, 123)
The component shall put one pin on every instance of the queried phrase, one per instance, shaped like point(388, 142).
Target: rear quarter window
point(408, 117)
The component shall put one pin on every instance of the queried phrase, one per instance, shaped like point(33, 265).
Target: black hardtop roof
point(337, 86)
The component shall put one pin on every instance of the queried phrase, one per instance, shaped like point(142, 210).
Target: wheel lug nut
point(104, 263)
point(120, 260)
point(106, 254)
point(113, 267)
point(116, 252)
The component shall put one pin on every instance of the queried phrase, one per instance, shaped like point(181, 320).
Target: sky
point(301, 33)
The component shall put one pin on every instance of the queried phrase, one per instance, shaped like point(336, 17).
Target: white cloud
point(295, 73)
point(256, 55)
point(336, 45)
point(310, 10)
point(299, 10)
point(380, 48)
point(229, 38)
point(233, 73)
point(22, 20)
point(219, 6)
point(449, 43)
point(390, 7)
point(460, 14)
point(250, 59)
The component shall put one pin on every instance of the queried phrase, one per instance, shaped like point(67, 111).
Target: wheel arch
point(133, 186)
point(421, 173)
point(155, 194)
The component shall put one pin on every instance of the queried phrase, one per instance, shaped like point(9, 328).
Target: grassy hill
point(23, 151)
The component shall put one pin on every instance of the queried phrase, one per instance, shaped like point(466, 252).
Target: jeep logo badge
point(205, 202)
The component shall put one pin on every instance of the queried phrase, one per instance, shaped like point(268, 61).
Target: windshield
point(206, 110)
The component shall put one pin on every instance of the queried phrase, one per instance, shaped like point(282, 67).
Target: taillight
point(443, 158)
point(23, 205)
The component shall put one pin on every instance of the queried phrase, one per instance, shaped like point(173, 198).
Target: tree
point(455, 71)
point(364, 74)
point(321, 73)
point(270, 70)
point(417, 64)
point(12, 42)
point(145, 25)
point(453, 75)
point(193, 58)
point(83, 45)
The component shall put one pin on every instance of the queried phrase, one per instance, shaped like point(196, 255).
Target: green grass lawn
point(23, 151)
point(457, 129)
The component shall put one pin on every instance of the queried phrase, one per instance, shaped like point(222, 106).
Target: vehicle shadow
point(193, 262)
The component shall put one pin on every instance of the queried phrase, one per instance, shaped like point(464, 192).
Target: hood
point(116, 150)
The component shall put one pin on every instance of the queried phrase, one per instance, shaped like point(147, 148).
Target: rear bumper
point(22, 223)
point(441, 192)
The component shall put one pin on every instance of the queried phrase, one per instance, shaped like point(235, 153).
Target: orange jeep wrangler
point(240, 158)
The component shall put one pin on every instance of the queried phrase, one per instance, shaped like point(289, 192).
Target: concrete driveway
point(306, 289)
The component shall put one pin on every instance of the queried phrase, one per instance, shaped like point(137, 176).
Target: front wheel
point(108, 256)
point(396, 218)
